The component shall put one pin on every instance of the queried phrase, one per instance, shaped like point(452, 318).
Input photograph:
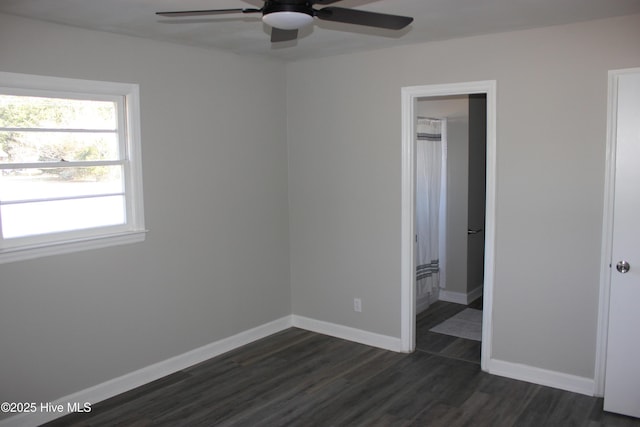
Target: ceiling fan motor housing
point(287, 14)
point(298, 6)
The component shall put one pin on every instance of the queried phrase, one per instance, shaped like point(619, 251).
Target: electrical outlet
point(357, 305)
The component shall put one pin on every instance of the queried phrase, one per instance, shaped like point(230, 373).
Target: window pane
point(30, 219)
point(56, 113)
point(52, 183)
point(33, 147)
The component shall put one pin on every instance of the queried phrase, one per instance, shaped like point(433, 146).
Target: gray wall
point(457, 201)
point(215, 261)
point(344, 132)
point(477, 190)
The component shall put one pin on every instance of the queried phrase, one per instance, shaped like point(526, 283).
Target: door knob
point(623, 266)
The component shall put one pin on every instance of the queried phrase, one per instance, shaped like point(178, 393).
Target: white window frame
point(127, 97)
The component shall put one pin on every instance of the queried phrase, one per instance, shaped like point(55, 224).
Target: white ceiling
point(246, 34)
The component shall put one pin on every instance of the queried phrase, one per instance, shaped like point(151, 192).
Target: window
point(70, 170)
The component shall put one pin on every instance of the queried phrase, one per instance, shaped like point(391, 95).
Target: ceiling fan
point(286, 17)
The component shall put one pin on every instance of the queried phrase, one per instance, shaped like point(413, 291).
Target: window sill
point(58, 248)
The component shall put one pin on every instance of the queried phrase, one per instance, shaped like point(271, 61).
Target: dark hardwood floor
point(300, 378)
point(445, 345)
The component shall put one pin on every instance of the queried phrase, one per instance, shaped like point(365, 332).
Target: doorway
point(410, 97)
point(449, 217)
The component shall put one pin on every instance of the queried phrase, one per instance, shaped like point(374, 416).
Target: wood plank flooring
point(445, 345)
point(300, 378)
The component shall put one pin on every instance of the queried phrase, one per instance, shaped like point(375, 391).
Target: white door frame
point(607, 229)
point(410, 96)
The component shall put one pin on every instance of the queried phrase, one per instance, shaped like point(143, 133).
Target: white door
point(622, 381)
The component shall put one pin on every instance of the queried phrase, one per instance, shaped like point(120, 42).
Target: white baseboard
point(474, 294)
point(541, 376)
point(422, 303)
point(100, 392)
point(150, 373)
point(460, 297)
point(451, 296)
point(158, 370)
point(345, 332)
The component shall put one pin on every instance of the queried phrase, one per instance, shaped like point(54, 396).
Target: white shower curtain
point(431, 155)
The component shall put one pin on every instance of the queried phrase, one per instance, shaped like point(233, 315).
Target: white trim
point(607, 234)
point(64, 164)
point(37, 84)
point(442, 214)
point(409, 97)
point(59, 248)
point(407, 226)
point(347, 333)
point(127, 98)
point(474, 294)
point(543, 377)
point(134, 155)
point(150, 373)
point(460, 297)
point(452, 296)
point(607, 229)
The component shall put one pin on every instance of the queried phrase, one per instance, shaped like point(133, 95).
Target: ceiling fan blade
point(280, 35)
point(361, 17)
point(324, 1)
point(206, 12)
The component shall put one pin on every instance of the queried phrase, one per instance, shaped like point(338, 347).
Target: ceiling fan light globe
point(287, 20)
